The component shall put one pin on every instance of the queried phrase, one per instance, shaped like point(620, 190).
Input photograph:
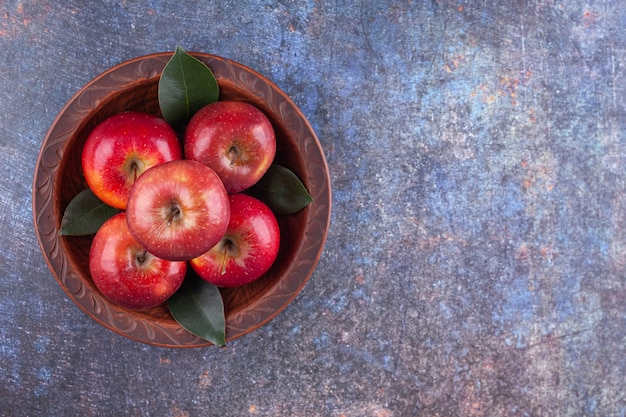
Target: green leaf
point(199, 308)
point(85, 214)
point(281, 190)
point(186, 85)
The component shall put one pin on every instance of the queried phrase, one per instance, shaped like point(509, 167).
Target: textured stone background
point(476, 260)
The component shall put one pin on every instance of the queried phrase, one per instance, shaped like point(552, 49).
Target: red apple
point(178, 210)
point(247, 250)
point(235, 139)
point(126, 273)
point(119, 149)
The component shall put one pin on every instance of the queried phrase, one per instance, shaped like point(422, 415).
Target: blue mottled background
point(476, 260)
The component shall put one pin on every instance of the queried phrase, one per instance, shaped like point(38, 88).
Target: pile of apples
point(181, 204)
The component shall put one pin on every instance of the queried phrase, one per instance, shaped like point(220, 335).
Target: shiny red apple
point(247, 250)
point(235, 139)
point(126, 273)
point(178, 210)
point(122, 147)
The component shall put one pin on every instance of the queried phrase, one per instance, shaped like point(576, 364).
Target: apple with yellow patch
point(121, 148)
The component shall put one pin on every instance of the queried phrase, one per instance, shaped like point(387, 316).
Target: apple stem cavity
point(141, 257)
point(135, 169)
point(174, 214)
point(230, 249)
point(236, 156)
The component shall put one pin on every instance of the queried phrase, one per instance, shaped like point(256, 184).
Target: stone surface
point(476, 260)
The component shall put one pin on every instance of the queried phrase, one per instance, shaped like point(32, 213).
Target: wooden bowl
point(132, 85)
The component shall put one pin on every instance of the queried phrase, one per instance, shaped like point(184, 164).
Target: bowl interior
point(246, 307)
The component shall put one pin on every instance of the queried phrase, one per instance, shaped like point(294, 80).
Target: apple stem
point(224, 259)
point(173, 215)
point(227, 249)
point(135, 169)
